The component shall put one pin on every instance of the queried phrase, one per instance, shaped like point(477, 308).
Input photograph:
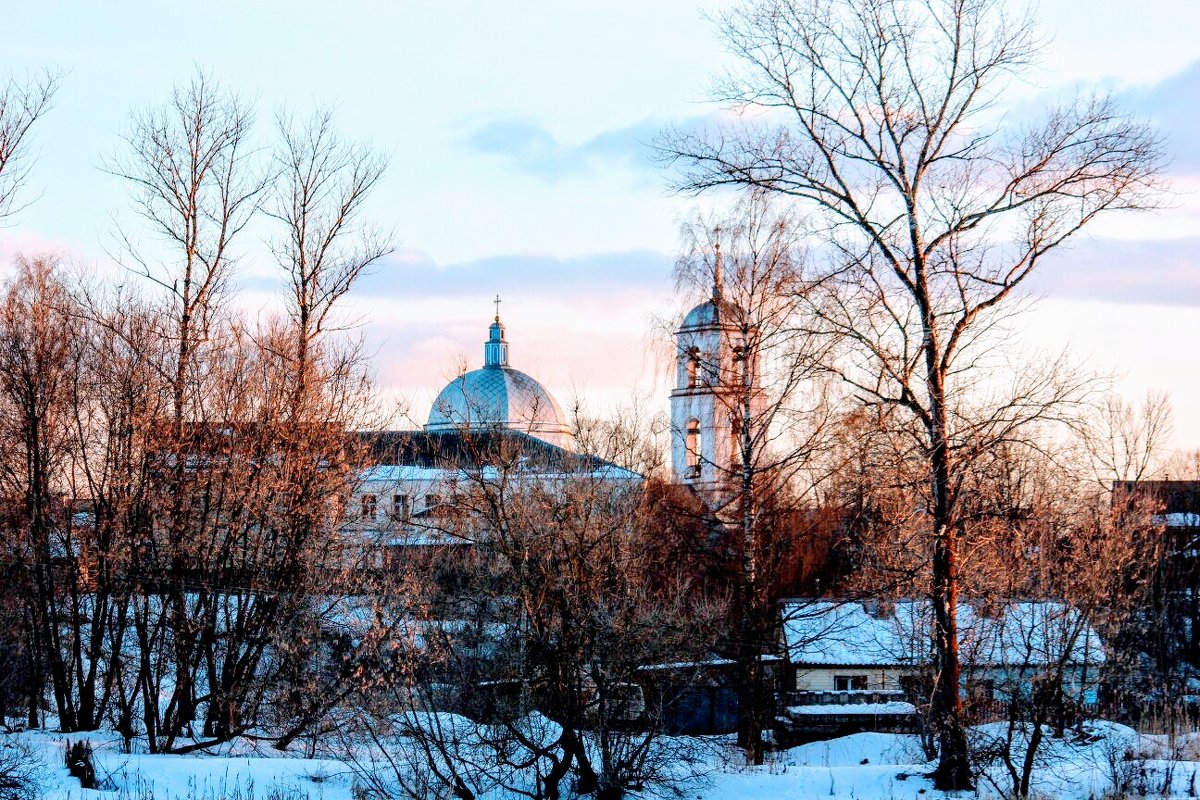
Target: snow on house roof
point(828, 633)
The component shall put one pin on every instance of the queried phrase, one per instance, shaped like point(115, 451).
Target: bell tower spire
point(718, 267)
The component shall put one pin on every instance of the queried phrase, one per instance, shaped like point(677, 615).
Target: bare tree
point(22, 104)
point(196, 187)
point(879, 115)
point(1051, 562)
point(39, 355)
point(1183, 466)
point(1125, 440)
point(548, 612)
point(322, 185)
point(118, 404)
point(325, 245)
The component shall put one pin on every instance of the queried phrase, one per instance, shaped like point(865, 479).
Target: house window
point(980, 691)
point(368, 508)
point(693, 444)
point(849, 683)
point(400, 506)
point(916, 688)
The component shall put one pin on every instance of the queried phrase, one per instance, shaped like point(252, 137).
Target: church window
point(400, 506)
point(693, 448)
point(367, 512)
point(431, 500)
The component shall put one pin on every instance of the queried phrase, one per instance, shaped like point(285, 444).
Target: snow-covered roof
point(404, 473)
point(396, 473)
point(823, 632)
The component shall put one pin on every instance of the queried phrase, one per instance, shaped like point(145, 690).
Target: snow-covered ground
point(863, 765)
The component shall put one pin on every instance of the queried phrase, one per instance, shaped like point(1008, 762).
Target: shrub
point(19, 768)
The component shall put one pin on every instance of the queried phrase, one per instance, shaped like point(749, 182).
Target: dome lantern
point(495, 349)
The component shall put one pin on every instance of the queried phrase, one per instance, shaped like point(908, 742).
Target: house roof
point(831, 633)
point(431, 455)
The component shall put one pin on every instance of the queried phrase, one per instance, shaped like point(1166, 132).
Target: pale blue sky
point(517, 134)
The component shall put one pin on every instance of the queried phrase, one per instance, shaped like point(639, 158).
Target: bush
point(19, 768)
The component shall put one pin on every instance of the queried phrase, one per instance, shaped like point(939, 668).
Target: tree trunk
point(954, 769)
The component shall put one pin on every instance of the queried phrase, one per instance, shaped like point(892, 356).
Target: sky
point(520, 165)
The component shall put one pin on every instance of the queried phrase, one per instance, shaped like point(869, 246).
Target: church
point(410, 484)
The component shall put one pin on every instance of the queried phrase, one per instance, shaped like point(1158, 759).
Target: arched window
point(693, 448)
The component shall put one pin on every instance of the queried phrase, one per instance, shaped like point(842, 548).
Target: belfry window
point(735, 443)
point(693, 367)
point(693, 448)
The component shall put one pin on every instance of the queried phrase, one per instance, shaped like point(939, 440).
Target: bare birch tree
point(22, 104)
point(881, 117)
point(324, 245)
point(322, 185)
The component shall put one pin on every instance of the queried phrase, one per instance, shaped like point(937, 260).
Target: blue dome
point(499, 396)
point(709, 314)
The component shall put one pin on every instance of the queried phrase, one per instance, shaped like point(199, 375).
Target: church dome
point(713, 313)
point(499, 396)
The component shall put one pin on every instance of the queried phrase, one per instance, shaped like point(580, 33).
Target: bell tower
point(705, 423)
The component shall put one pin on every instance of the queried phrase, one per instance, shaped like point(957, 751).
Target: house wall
point(822, 679)
point(1079, 683)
